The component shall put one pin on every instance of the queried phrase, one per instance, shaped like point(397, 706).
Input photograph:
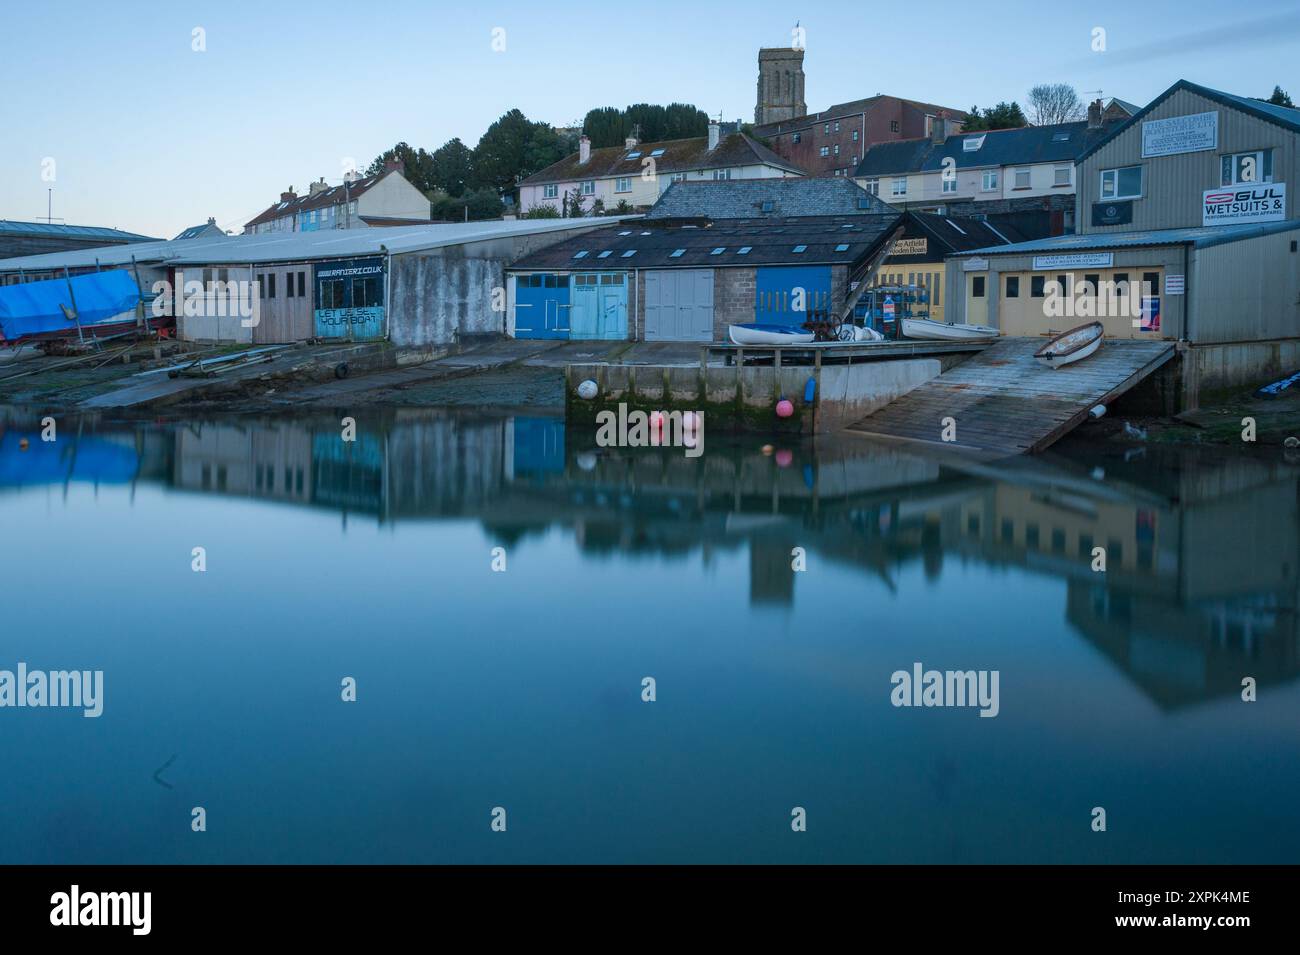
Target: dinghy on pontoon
point(755, 333)
point(927, 329)
point(1071, 346)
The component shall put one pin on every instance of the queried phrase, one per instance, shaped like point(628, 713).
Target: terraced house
point(996, 171)
point(359, 202)
point(639, 173)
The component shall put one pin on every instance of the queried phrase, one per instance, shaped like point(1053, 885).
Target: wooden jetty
point(1003, 402)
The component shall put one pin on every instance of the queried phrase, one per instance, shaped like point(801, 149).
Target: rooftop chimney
point(317, 187)
point(288, 196)
point(395, 165)
point(630, 142)
point(584, 150)
point(715, 133)
point(212, 220)
point(1094, 114)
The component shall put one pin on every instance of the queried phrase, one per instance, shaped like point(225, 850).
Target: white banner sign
point(1079, 260)
point(1175, 284)
point(1180, 134)
point(975, 265)
point(1264, 202)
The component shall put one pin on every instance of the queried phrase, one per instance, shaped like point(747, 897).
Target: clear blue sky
point(150, 136)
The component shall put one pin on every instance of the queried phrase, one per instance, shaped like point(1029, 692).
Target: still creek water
point(522, 689)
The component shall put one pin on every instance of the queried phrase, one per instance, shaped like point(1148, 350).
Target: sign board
point(1112, 213)
point(975, 265)
point(350, 298)
point(1078, 260)
point(909, 247)
point(1248, 202)
point(1150, 321)
point(889, 308)
point(1180, 134)
point(1174, 284)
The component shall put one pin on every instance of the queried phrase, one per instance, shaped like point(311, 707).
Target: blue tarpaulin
point(31, 310)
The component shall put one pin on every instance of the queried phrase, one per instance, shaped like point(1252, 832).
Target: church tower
point(780, 85)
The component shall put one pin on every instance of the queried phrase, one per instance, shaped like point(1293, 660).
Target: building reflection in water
point(1202, 550)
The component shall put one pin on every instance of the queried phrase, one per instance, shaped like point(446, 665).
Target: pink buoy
point(784, 458)
point(784, 408)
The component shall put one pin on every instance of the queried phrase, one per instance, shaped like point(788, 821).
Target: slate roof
point(1283, 116)
point(14, 227)
point(678, 155)
point(200, 231)
point(746, 198)
point(769, 242)
point(958, 234)
point(1201, 237)
point(323, 199)
point(1061, 142)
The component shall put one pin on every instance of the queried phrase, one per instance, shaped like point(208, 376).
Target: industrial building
point(1189, 199)
point(38, 238)
point(418, 286)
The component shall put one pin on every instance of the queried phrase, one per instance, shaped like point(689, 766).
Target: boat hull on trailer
point(926, 329)
point(753, 333)
point(1068, 347)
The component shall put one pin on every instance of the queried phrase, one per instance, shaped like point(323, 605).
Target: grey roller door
point(679, 305)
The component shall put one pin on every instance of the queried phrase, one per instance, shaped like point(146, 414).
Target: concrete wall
point(1210, 368)
point(440, 296)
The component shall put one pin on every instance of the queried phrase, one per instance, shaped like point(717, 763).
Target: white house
point(385, 199)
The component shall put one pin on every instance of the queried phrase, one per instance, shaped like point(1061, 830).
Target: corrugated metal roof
point(1201, 237)
point(296, 246)
point(15, 227)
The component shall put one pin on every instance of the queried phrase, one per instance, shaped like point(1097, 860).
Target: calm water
point(522, 689)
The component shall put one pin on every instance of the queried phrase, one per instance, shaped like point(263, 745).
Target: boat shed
point(687, 279)
point(419, 286)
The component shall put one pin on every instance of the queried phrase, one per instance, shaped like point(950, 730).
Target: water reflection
point(1202, 550)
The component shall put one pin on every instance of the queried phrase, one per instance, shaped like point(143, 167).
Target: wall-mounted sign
point(1150, 321)
point(975, 265)
point(1112, 213)
point(1180, 134)
point(1265, 202)
point(1078, 260)
point(909, 247)
point(1175, 284)
point(350, 298)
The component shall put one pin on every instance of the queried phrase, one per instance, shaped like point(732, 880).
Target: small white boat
point(1071, 346)
point(864, 333)
point(924, 328)
point(753, 333)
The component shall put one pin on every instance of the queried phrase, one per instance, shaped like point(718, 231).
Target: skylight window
point(1060, 137)
point(657, 152)
point(629, 253)
point(625, 233)
point(972, 143)
point(676, 253)
point(645, 233)
point(955, 226)
point(604, 255)
point(768, 205)
point(744, 250)
point(581, 254)
point(634, 155)
point(800, 248)
point(842, 247)
point(719, 250)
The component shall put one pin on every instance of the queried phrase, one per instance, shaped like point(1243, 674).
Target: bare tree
point(1051, 103)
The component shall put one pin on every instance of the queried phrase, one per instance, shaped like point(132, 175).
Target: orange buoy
point(22, 444)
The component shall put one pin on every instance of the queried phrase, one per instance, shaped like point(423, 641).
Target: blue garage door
point(599, 306)
point(777, 293)
point(542, 306)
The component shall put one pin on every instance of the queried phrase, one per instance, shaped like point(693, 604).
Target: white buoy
point(587, 390)
point(1097, 411)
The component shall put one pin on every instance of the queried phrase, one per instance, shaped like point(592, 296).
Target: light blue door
point(599, 306)
point(542, 306)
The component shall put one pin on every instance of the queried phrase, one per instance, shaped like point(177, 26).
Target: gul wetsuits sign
point(1248, 202)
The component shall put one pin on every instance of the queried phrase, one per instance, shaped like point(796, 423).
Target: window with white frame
point(989, 181)
point(550, 191)
point(722, 174)
point(950, 183)
point(825, 150)
point(1061, 175)
point(1022, 178)
point(678, 177)
point(1239, 168)
point(872, 186)
point(623, 184)
point(900, 186)
point(589, 187)
point(1122, 183)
